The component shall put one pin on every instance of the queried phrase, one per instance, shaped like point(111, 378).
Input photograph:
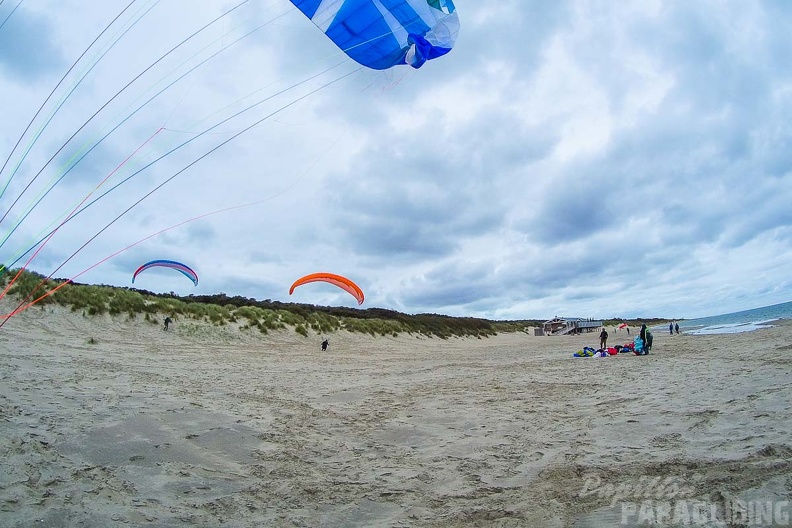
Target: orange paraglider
point(337, 280)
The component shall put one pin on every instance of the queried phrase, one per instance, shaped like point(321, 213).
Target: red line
point(22, 307)
point(11, 283)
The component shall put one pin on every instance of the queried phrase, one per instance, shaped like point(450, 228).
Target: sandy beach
point(108, 421)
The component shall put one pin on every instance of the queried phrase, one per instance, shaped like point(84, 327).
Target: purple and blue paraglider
point(178, 266)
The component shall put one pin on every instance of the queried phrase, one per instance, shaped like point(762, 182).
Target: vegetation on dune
point(261, 316)
point(250, 314)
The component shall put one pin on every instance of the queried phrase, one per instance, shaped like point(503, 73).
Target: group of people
point(673, 327)
point(645, 336)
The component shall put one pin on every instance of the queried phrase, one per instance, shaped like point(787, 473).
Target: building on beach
point(570, 325)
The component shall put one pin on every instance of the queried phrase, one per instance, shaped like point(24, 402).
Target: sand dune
point(108, 421)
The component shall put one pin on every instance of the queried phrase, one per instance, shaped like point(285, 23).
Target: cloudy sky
point(568, 157)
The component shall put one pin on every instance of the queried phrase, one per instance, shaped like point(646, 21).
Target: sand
point(215, 426)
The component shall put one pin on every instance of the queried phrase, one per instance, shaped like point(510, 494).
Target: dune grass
point(250, 314)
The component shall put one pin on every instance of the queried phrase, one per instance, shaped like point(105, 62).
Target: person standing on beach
point(671, 328)
point(603, 338)
point(676, 327)
point(167, 322)
point(325, 344)
point(644, 333)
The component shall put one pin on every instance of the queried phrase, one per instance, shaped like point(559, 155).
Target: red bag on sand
point(612, 351)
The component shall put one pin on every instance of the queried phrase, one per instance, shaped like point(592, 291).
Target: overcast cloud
point(578, 158)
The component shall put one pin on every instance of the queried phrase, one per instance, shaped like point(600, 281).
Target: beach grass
point(249, 314)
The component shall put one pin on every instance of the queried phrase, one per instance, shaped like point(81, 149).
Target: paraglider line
point(273, 196)
point(53, 184)
point(2, 267)
point(135, 79)
point(11, 13)
point(51, 117)
point(22, 303)
point(73, 212)
point(5, 239)
point(162, 231)
point(189, 165)
point(53, 92)
point(24, 307)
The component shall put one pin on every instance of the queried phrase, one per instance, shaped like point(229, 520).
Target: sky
point(574, 158)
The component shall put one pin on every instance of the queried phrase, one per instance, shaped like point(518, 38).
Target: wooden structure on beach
point(570, 325)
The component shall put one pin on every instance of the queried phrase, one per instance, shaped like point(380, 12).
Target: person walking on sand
point(167, 323)
point(325, 344)
point(603, 338)
point(671, 328)
point(676, 327)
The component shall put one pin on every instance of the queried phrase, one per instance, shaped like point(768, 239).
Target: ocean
point(745, 321)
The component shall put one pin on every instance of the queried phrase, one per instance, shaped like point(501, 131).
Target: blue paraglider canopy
point(380, 34)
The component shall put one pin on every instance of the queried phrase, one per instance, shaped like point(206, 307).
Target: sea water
point(737, 322)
